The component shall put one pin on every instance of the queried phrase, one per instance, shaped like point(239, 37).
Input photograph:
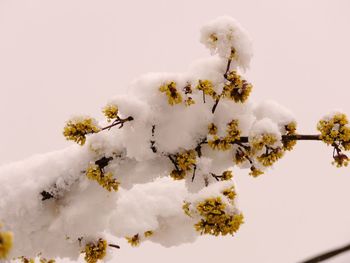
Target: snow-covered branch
point(166, 174)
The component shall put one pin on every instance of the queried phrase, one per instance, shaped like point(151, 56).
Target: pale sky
point(59, 58)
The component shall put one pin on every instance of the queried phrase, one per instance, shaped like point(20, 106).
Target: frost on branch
point(159, 167)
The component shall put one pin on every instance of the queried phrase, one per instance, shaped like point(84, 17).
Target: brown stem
point(292, 137)
point(227, 67)
point(198, 148)
point(115, 246)
point(194, 172)
point(216, 104)
point(327, 255)
point(153, 142)
point(217, 177)
point(174, 162)
point(225, 76)
point(118, 122)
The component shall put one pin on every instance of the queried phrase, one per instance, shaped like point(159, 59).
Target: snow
point(148, 199)
point(224, 33)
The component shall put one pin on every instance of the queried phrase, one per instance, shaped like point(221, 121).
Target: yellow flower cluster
point(212, 129)
point(255, 172)
point(340, 160)
point(259, 142)
point(31, 260)
point(226, 175)
point(237, 89)
point(148, 233)
point(95, 251)
point(110, 111)
point(213, 38)
point(6, 243)
point(44, 260)
point(230, 193)
point(207, 87)
point(186, 208)
point(76, 130)
point(135, 240)
point(189, 101)
point(336, 130)
point(271, 154)
point(106, 180)
point(188, 90)
point(26, 260)
point(270, 157)
point(174, 96)
point(185, 162)
point(240, 156)
point(215, 220)
point(290, 128)
point(233, 55)
point(232, 134)
point(178, 174)
point(218, 143)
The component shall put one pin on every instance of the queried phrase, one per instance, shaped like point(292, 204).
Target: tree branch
point(292, 137)
point(328, 254)
point(225, 76)
point(118, 122)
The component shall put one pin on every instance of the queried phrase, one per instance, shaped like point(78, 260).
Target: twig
point(153, 142)
point(118, 121)
point(217, 177)
point(216, 104)
point(225, 76)
point(198, 148)
point(103, 162)
point(194, 172)
point(291, 137)
point(328, 254)
point(115, 246)
point(174, 162)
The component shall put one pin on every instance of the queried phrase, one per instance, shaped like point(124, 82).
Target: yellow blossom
point(255, 172)
point(110, 111)
point(134, 240)
point(186, 208)
point(77, 129)
point(148, 233)
point(178, 174)
point(233, 132)
point(335, 130)
point(212, 129)
point(95, 251)
point(290, 128)
point(6, 243)
point(230, 193)
point(189, 101)
point(106, 180)
point(217, 143)
point(207, 87)
point(174, 97)
point(215, 219)
point(236, 89)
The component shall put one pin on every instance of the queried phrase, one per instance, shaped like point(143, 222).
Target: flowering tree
point(159, 167)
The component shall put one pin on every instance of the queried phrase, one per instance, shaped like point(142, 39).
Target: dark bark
point(328, 254)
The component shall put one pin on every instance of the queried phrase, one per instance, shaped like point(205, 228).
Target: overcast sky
point(59, 58)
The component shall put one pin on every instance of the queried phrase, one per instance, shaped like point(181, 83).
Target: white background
point(59, 58)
